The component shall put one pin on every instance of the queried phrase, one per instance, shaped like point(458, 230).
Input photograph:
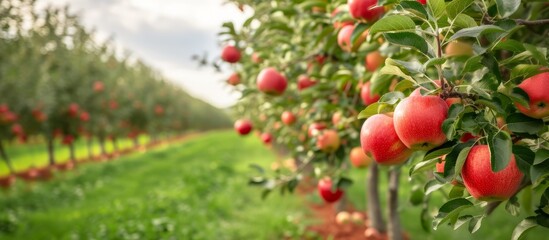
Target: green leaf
point(524, 71)
point(432, 186)
point(537, 54)
point(512, 206)
point(475, 223)
point(412, 67)
point(452, 158)
point(408, 39)
point(423, 166)
point(456, 7)
point(438, 153)
point(510, 45)
point(369, 111)
point(520, 123)
point(462, 220)
point(391, 97)
point(380, 83)
point(461, 160)
point(395, 71)
point(415, 7)
point(359, 29)
point(393, 23)
point(539, 172)
point(524, 157)
point(541, 156)
point(475, 31)
point(519, 96)
point(434, 61)
point(403, 86)
point(464, 21)
point(344, 183)
point(437, 7)
point(500, 150)
point(450, 210)
point(506, 8)
point(424, 218)
point(525, 225)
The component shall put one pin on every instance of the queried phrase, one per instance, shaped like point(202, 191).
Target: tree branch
point(532, 22)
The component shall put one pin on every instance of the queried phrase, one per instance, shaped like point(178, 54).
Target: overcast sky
point(165, 34)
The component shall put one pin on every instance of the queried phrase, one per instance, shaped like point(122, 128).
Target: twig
point(532, 22)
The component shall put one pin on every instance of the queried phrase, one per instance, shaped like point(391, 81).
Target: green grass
point(192, 190)
point(34, 154)
point(499, 225)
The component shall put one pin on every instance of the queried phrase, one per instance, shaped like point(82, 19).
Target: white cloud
point(194, 24)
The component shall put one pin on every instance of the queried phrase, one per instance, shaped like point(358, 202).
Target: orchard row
point(58, 82)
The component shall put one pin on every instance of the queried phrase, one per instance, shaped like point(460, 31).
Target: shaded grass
point(194, 190)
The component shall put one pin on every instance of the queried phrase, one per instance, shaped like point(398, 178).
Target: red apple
point(267, 138)
point(315, 128)
point(256, 58)
point(440, 169)
point(373, 61)
point(482, 183)
point(39, 116)
point(344, 39)
point(73, 110)
point(325, 190)
point(67, 140)
point(366, 95)
point(365, 10)
point(66, 166)
point(304, 82)
point(230, 54)
point(451, 101)
point(380, 141)
point(358, 158)
point(422, 1)
point(537, 89)
point(158, 110)
point(84, 116)
point(467, 136)
point(113, 105)
point(328, 141)
point(98, 86)
point(7, 181)
point(243, 127)
point(418, 121)
point(234, 79)
point(4, 108)
point(271, 82)
point(336, 118)
point(288, 118)
point(17, 129)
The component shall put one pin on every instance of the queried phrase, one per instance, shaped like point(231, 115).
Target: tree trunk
point(372, 196)
point(51, 153)
point(102, 146)
point(72, 154)
point(341, 205)
point(90, 148)
point(395, 229)
point(5, 157)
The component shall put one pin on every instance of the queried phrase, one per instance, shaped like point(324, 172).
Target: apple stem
point(395, 228)
point(372, 196)
point(443, 85)
point(5, 157)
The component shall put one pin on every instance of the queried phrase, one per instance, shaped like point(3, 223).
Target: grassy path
point(193, 190)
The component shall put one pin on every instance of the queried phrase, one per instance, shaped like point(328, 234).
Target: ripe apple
point(336, 118)
point(365, 10)
point(243, 126)
point(315, 128)
point(343, 217)
point(357, 217)
point(482, 183)
point(66, 166)
point(325, 190)
point(4, 108)
point(234, 79)
point(98, 86)
point(457, 48)
point(267, 138)
point(358, 158)
point(372, 233)
point(380, 141)
point(256, 58)
point(84, 116)
point(467, 136)
point(328, 141)
point(158, 110)
point(7, 181)
point(230, 54)
point(288, 118)
point(304, 82)
point(73, 110)
point(271, 81)
point(30, 174)
point(17, 129)
point(113, 105)
point(366, 95)
point(440, 169)
point(422, 1)
point(39, 116)
point(536, 88)
point(373, 61)
point(344, 39)
point(67, 139)
point(418, 121)
point(338, 24)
